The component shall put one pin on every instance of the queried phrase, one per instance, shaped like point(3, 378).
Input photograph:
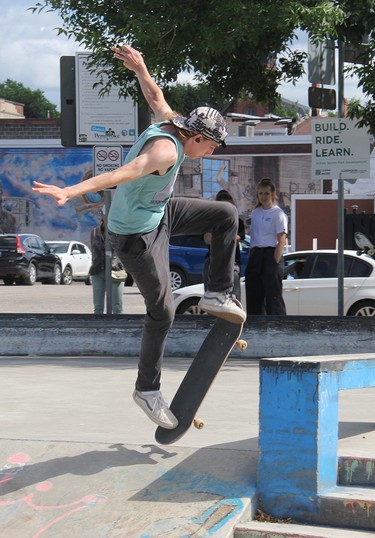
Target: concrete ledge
point(87, 334)
point(347, 507)
point(264, 529)
point(298, 436)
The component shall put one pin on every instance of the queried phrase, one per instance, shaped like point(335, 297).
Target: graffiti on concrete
point(15, 464)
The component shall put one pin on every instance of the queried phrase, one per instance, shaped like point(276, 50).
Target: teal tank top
point(138, 206)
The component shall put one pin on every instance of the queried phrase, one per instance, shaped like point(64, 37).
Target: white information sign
point(106, 158)
point(340, 150)
point(102, 120)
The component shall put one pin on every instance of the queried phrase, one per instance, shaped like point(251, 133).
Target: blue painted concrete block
point(298, 428)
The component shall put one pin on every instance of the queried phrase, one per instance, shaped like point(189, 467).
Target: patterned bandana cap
point(205, 121)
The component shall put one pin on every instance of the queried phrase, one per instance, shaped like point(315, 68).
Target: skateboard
point(211, 356)
point(364, 244)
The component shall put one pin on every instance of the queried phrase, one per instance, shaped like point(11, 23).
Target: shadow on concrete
point(88, 463)
point(187, 491)
point(219, 481)
point(350, 429)
point(220, 470)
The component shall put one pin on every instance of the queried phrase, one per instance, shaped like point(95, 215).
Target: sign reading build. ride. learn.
point(340, 150)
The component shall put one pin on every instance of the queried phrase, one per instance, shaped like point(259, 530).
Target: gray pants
point(146, 258)
point(236, 291)
point(99, 290)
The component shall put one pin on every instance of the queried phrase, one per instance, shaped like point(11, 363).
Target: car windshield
point(59, 248)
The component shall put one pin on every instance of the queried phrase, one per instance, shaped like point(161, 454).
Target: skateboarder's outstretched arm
point(158, 155)
point(133, 60)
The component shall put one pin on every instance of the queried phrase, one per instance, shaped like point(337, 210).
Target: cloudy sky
point(31, 51)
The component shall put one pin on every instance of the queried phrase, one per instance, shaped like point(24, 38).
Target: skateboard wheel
point(371, 252)
point(241, 344)
point(198, 423)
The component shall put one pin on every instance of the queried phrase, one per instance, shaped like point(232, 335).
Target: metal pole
point(340, 256)
point(340, 193)
point(108, 255)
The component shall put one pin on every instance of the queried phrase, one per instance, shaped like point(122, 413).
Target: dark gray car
point(26, 259)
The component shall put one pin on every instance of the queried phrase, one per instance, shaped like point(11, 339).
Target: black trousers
point(146, 258)
point(264, 283)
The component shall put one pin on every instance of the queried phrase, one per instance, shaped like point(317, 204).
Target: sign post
point(105, 122)
point(101, 120)
point(340, 150)
point(106, 158)
point(108, 255)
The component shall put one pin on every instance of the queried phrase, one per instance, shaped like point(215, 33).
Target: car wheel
point(88, 281)
point(363, 308)
point(178, 278)
point(67, 276)
point(30, 279)
point(190, 307)
point(56, 279)
point(8, 280)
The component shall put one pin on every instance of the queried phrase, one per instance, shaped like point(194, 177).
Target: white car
point(310, 285)
point(75, 259)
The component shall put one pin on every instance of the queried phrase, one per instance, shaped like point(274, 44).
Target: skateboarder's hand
point(131, 58)
point(60, 195)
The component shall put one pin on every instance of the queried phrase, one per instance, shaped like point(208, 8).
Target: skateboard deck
point(364, 244)
point(211, 356)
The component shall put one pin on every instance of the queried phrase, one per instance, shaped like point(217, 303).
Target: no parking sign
point(107, 158)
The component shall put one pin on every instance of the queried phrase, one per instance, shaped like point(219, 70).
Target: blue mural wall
point(22, 210)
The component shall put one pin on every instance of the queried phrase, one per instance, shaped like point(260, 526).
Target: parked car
point(75, 259)
point(186, 259)
point(310, 285)
point(26, 259)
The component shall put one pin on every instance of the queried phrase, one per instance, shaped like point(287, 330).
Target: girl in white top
point(264, 272)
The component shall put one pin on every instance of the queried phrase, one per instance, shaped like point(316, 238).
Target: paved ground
point(78, 458)
point(73, 299)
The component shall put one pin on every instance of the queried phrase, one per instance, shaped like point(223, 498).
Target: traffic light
point(322, 98)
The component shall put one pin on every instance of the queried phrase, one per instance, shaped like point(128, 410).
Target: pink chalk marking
point(44, 486)
point(6, 478)
point(89, 499)
point(17, 459)
point(86, 501)
point(56, 520)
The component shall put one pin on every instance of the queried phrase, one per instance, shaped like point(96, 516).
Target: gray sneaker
point(222, 305)
point(156, 408)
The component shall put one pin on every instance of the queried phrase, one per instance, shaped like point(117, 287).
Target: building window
point(215, 174)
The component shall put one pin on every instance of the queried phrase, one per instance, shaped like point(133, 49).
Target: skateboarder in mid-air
point(144, 215)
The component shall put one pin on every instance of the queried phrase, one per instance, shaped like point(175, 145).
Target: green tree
point(36, 104)
point(238, 48)
point(286, 111)
point(184, 97)
point(365, 113)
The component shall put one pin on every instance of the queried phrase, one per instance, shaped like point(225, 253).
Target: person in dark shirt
point(98, 273)
point(224, 196)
